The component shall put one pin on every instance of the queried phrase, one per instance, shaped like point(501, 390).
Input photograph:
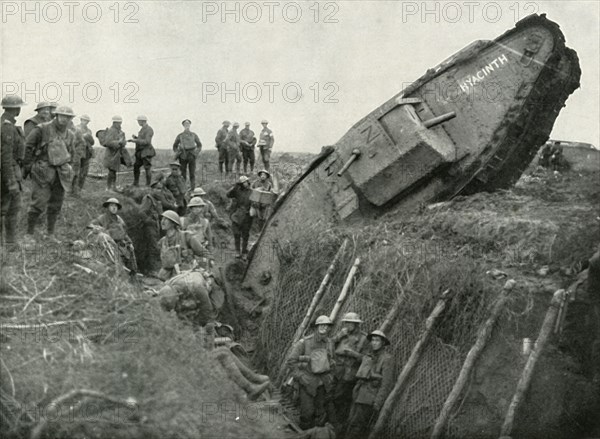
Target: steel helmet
point(12, 101)
point(170, 215)
point(323, 320)
point(247, 124)
point(264, 121)
point(198, 192)
point(65, 111)
point(236, 124)
point(351, 317)
point(44, 105)
point(112, 201)
point(159, 179)
point(175, 164)
point(377, 332)
point(186, 120)
point(226, 122)
point(244, 179)
point(142, 117)
point(263, 171)
point(117, 119)
point(84, 117)
point(196, 202)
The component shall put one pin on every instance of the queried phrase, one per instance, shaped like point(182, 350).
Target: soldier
point(144, 151)
point(116, 153)
point(265, 144)
point(263, 183)
point(545, 155)
point(162, 194)
point(12, 142)
point(312, 361)
point(176, 184)
point(557, 156)
point(241, 221)
point(178, 250)
point(88, 153)
point(375, 381)
point(45, 113)
point(247, 143)
point(233, 149)
point(210, 211)
point(114, 226)
point(187, 148)
point(221, 145)
point(197, 224)
point(49, 150)
point(350, 345)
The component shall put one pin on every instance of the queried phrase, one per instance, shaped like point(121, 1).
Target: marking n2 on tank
point(481, 74)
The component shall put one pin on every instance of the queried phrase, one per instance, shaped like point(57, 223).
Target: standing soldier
point(144, 151)
point(210, 212)
point(115, 154)
point(233, 149)
point(241, 221)
point(49, 149)
point(176, 184)
point(12, 141)
point(350, 345)
point(88, 153)
point(247, 143)
point(221, 145)
point(187, 148)
point(265, 143)
point(375, 381)
point(312, 361)
point(45, 112)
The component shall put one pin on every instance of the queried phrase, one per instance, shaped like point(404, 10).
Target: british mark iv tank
point(472, 123)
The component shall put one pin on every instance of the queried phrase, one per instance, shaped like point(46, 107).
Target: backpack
point(101, 135)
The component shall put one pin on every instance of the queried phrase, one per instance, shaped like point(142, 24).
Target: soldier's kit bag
point(364, 371)
point(101, 135)
point(319, 361)
point(58, 154)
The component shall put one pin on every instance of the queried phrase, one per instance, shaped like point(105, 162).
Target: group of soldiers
point(552, 156)
point(343, 379)
point(235, 148)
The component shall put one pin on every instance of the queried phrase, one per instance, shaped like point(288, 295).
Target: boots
point(32, 218)
point(253, 390)
point(136, 176)
point(148, 177)
point(248, 373)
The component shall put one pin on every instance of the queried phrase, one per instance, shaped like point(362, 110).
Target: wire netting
point(387, 276)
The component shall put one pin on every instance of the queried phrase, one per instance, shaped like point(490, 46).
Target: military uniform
point(316, 387)
point(200, 228)
point(222, 147)
point(12, 143)
point(348, 355)
point(262, 210)
point(187, 147)
point(176, 185)
point(265, 144)
point(370, 393)
point(247, 143)
point(179, 250)
point(49, 150)
point(189, 295)
point(144, 151)
point(115, 154)
point(115, 227)
point(31, 123)
point(233, 151)
point(241, 221)
point(84, 158)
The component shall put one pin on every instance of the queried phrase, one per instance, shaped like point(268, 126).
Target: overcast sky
point(175, 60)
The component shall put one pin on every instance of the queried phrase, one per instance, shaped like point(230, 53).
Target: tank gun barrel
point(439, 119)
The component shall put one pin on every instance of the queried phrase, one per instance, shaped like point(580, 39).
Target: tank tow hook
point(354, 156)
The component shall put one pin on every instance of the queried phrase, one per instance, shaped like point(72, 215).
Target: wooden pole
point(525, 380)
point(311, 308)
point(482, 338)
point(317, 297)
point(391, 316)
point(345, 289)
point(415, 356)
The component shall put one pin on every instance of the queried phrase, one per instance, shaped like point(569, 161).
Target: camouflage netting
point(387, 274)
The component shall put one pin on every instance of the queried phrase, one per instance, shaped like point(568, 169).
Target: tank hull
point(473, 123)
